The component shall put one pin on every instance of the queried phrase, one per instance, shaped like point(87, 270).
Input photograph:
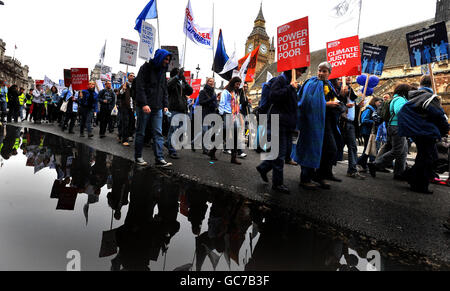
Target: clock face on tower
point(250, 48)
point(263, 49)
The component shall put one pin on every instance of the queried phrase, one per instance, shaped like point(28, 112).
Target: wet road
point(57, 196)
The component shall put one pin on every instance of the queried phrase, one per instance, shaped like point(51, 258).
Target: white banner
point(128, 52)
point(48, 83)
point(147, 43)
point(199, 35)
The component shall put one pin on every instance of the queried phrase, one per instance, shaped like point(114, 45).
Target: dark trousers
point(420, 174)
point(13, 113)
point(69, 121)
point(126, 119)
point(362, 161)
point(350, 141)
point(86, 115)
point(285, 139)
point(328, 159)
point(38, 109)
point(104, 117)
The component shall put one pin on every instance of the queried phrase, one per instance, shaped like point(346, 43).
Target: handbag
point(115, 111)
point(64, 106)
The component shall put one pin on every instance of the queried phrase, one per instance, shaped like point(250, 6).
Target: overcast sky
point(55, 34)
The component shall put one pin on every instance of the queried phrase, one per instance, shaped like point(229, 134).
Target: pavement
point(382, 211)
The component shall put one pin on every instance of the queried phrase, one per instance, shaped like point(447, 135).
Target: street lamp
point(198, 69)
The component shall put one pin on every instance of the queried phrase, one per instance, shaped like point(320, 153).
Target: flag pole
point(157, 19)
point(360, 10)
point(213, 36)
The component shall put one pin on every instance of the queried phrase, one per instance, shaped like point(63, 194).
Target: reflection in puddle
point(57, 195)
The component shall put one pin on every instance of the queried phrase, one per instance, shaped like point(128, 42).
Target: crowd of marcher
point(324, 116)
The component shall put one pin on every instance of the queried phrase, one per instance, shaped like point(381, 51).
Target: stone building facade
point(12, 71)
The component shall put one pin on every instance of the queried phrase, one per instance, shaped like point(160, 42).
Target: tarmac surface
point(381, 211)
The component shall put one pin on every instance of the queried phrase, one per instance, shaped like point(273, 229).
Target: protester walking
point(283, 100)
point(229, 109)
point(369, 123)
point(396, 147)
point(348, 122)
point(29, 102)
point(316, 148)
point(107, 99)
point(54, 105)
point(38, 104)
point(178, 90)
point(70, 116)
point(3, 103)
point(127, 95)
point(424, 120)
point(13, 104)
point(88, 104)
point(151, 102)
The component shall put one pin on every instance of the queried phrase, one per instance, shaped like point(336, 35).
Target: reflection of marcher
point(118, 197)
point(197, 202)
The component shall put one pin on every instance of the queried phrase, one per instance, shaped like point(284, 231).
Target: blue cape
point(311, 123)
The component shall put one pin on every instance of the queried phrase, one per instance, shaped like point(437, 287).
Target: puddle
point(61, 200)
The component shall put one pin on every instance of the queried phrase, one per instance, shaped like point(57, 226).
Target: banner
point(196, 86)
point(373, 58)
point(344, 57)
point(175, 62)
point(293, 45)
point(80, 79)
point(61, 83)
point(249, 73)
point(147, 42)
point(200, 36)
point(428, 45)
point(128, 52)
point(40, 82)
point(67, 78)
point(187, 76)
point(48, 83)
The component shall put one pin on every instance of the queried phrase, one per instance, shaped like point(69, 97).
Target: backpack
point(265, 104)
point(386, 112)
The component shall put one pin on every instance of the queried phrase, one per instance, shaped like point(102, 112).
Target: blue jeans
point(86, 119)
point(156, 119)
point(278, 165)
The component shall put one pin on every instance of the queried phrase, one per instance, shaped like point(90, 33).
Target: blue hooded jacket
point(151, 83)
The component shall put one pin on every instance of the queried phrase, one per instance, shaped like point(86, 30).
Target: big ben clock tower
point(259, 37)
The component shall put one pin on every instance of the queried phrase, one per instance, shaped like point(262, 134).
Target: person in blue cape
point(316, 149)
point(152, 99)
point(423, 119)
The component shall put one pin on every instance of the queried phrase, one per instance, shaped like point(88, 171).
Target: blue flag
point(221, 58)
point(149, 12)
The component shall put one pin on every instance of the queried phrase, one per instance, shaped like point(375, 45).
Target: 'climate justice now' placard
point(196, 86)
point(344, 55)
point(80, 79)
point(293, 45)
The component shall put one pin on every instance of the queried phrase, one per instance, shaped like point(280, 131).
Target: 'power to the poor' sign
point(293, 45)
point(344, 55)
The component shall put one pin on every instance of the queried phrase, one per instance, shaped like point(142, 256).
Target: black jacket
point(151, 87)
point(177, 94)
point(208, 100)
point(284, 99)
point(109, 96)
